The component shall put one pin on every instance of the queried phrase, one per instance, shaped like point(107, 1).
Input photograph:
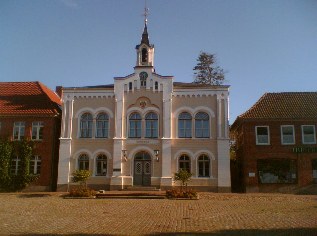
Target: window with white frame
point(202, 125)
point(184, 125)
point(135, 125)
point(262, 135)
point(184, 163)
point(308, 134)
point(35, 165)
point(83, 162)
point(18, 130)
point(37, 130)
point(101, 164)
point(287, 134)
point(203, 166)
point(151, 125)
point(15, 165)
point(102, 125)
point(86, 122)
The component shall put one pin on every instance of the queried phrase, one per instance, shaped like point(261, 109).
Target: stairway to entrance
point(141, 188)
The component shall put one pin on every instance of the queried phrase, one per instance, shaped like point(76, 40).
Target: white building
point(144, 128)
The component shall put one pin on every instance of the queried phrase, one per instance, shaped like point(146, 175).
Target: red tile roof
point(27, 98)
point(287, 106)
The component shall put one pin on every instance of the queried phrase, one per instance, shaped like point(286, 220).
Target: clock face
point(143, 75)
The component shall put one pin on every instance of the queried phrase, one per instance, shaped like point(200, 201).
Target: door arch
point(142, 169)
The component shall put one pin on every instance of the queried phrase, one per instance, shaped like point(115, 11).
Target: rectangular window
point(35, 165)
point(15, 165)
point(308, 134)
point(262, 135)
point(37, 130)
point(287, 134)
point(276, 171)
point(18, 130)
point(130, 86)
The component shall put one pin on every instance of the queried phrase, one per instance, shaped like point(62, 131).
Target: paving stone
point(224, 214)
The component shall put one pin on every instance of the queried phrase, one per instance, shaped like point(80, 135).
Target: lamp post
point(124, 155)
point(156, 153)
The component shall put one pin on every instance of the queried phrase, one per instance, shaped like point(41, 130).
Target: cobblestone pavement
point(212, 214)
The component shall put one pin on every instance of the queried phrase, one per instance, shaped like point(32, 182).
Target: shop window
point(275, 171)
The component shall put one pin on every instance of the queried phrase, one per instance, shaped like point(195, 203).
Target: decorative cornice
point(199, 93)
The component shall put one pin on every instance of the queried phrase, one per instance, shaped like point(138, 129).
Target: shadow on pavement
point(33, 195)
point(238, 232)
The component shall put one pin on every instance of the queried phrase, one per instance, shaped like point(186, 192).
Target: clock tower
point(145, 50)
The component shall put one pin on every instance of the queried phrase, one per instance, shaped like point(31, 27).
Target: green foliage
point(206, 70)
point(175, 193)
point(6, 149)
point(183, 176)
point(81, 176)
point(22, 149)
point(81, 191)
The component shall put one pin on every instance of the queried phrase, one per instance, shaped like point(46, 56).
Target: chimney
point(59, 91)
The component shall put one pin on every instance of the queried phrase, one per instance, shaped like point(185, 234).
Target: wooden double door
point(142, 169)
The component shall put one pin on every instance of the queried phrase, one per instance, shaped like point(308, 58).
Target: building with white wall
point(144, 128)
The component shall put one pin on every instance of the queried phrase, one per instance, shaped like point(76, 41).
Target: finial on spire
point(146, 12)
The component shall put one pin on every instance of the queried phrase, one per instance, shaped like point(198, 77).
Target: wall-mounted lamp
point(156, 153)
point(124, 155)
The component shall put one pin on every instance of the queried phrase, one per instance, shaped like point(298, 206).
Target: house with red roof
point(31, 111)
point(275, 143)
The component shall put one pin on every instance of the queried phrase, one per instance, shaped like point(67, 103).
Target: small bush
point(175, 193)
point(81, 192)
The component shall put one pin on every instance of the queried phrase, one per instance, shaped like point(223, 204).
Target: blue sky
point(264, 46)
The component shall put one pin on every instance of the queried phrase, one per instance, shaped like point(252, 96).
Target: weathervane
point(146, 12)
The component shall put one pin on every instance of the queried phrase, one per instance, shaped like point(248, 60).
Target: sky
point(264, 46)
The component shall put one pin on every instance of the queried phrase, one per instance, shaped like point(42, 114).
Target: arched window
point(83, 162)
point(184, 125)
point(203, 166)
point(184, 163)
point(202, 125)
point(101, 163)
point(135, 125)
point(102, 125)
point(151, 125)
point(144, 55)
point(86, 125)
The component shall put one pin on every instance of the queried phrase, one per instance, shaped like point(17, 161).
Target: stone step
point(141, 188)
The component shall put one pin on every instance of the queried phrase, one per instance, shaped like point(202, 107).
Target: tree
point(81, 176)
point(183, 176)
point(206, 70)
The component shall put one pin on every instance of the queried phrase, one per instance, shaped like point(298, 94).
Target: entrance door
point(142, 169)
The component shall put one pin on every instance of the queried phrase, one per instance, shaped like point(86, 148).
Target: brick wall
point(47, 148)
point(249, 153)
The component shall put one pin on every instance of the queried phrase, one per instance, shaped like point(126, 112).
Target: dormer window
point(144, 55)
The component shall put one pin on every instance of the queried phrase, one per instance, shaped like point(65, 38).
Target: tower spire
point(145, 35)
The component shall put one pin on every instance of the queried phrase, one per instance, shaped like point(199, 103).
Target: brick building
point(275, 142)
point(29, 110)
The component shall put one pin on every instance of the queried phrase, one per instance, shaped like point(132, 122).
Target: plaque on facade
point(251, 174)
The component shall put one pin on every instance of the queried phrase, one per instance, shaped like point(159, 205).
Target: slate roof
point(283, 106)
point(27, 98)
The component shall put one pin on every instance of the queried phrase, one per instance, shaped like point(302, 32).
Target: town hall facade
point(144, 128)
